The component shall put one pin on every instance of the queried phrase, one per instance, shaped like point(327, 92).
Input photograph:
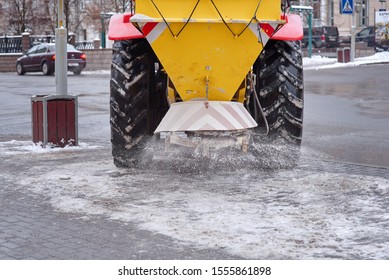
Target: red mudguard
point(291, 31)
point(120, 28)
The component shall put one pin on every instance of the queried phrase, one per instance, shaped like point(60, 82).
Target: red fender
point(292, 29)
point(120, 28)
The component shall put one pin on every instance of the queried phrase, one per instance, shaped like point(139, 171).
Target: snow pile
point(380, 57)
point(15, 147)
point(97, 72)
point(320, 62)
point(317, 60)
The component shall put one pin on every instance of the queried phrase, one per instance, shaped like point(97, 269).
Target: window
point(363, 16)
point(32, 50)
point(365, 32)
point(41, 49)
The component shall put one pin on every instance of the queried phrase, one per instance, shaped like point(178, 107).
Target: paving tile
point(9, 219)
point(31, 229)
point(11, 245)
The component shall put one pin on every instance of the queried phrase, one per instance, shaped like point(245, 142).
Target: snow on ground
point(15, 147)
point(315, 62)
point(320, 62)
point(97, 72)
point(280, 214)
point(255, 214)
point(249, 214)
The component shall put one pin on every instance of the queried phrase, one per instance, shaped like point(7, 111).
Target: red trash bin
point(343, 55)
point(340, 55)
point(55, 120)
point(346, 55)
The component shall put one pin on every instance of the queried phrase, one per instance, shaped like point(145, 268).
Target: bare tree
point(51, 8)
point(40, 16)
point(20, 14)
point(120, 6)
point(73, 14)
point(3, 23)
point(96, 8)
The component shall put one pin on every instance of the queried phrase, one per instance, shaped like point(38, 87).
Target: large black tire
point(280, 88)
point(138, 99)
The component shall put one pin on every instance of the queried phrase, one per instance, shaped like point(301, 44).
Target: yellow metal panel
point(242, 94)
point(207, 59)
point(207, 52)
point(229, 9)
point(170, 95)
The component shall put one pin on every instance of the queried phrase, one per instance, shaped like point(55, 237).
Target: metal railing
point(11, 44)
point(84, 45)
point(39, 39)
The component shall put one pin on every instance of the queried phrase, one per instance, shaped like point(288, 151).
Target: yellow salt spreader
point(186, 68)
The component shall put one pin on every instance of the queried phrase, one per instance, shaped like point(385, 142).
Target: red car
point(41, 58)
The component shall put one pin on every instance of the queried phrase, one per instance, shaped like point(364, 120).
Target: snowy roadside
point(17, 147)
point(258, 214)
point(96, 72)
point(315, 62)
point(319, 62)
point(250, 213)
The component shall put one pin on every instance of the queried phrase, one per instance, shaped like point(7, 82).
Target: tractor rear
point(194, 70)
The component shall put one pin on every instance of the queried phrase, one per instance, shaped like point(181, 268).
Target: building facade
point(328, 12)
point(86, 20)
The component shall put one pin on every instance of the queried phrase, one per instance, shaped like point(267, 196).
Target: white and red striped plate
point(206, 115)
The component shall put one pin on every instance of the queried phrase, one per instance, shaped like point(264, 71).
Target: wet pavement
point(73, 203)
point(88, 209)
point(32, 229)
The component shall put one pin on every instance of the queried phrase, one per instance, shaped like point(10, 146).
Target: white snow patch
point(285, 216)
point(317, 61)
point(97, 72)
point(15, 147)
point(320, 62)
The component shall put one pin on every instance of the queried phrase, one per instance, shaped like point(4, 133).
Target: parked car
point(324, 36)
point(41, 58)
point(367, 35)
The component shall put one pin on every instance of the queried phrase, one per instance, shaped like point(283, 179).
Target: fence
point(85, 45)
point(21, 43)
point(39, 39)
point(12, 47)
point(96, 59)
point(11, 44)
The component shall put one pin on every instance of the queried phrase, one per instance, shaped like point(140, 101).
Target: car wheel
point(77, 72)
point(46, 69)
point(19, 69)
